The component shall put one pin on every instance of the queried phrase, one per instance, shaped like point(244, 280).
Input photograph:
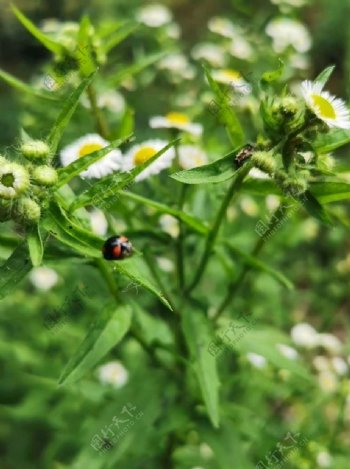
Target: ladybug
point(116, 248)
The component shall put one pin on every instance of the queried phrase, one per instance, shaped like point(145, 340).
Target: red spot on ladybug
point(117, 248)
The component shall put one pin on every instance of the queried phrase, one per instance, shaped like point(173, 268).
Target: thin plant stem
point(179, 247)
point(214, 231)
point(101, 123)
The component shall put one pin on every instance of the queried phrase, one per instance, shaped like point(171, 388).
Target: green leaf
point(117, 78)
point(46, 41)
point(127, 123)
point(260, 187)
point(83, 54)
point(260, 265)
point(198, 337)
point(327, 192)
point(134, 269)
point(104, 333)
point(79, 165)
point(35, 245)
point(227, 114)
point(110, 185)
point(23, 87)
point(118, 36)
point(219, 171)
point(331, 140)
point(269, 77)
point(189, 220)
point(314, 208)
point(14, 269)
point(324, 76)
point(57, 222)
point(66, 114)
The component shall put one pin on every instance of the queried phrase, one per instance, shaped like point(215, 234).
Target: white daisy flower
point(330, 342)
point(154, 15)
point(210, 52)
point(241, 48)
point(98, 222)
point(333, 111)
point(178, 66)
point(232, 78)
point(305, 335)
point(170, 225)
point(191, 156)
point(286, 32)
point(140, 153)
point(89, 144)
point(114, 374)
point(256, 360)
point(14, 180)
point(43, 278)
point(222, 26)
point(176, 120)
point(287, 351)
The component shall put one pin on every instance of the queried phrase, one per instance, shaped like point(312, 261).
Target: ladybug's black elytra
point(116, 248)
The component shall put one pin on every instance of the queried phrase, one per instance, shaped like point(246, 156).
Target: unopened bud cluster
point(24, 186)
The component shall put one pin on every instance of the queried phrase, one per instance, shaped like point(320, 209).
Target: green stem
point(213, 233)
point(280, 213)
point(180, 242)
point(101, 123)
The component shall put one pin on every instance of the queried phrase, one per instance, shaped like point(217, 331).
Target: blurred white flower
point(310, 228)
point(222, 26)
point(258, 174)
point(330, 342)
point(324, 459)
point(233, 78)
point(206, 451)
point(111, 100)
point(292, 3)
point(321, 363)
point(43, 278)
point(154, 15)
point(165, 264)
point(241, 48)
point(287, 351)
point(98, 221)
point(256, 360)
point(178, 66)
point(114, 374)
point(249, 206)
point(327, 381)
point(299, 61)
point(173, 30)
point(272, 201)
point(210, 52)
point(140, 153)
point(89, 144)
point(304, 335)
point(331, 110)
point(340, 366)
point(191, 156)
point(176, 120)
point(170, 225)
point(286, 32)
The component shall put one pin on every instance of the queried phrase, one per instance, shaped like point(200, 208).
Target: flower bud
point(35, 150)
point(14, 180)
point(44, 176)
point(294, 187)
point(264, 161)
point(28, 210)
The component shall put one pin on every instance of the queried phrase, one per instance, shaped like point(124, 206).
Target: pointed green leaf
point(83, 54)
point(14, 269)
point(118, 36)
point(324, 76)
point(227, 114)
point(35, 245)
point(105, 332)
point(23, 87)
point(189, 220)
point(327, 192)
point(66, 114)
point(75, 168)
point(314, 208)
point(110, 185)
point(116, 79)
point(198, 337)
point(46, 41)
point(269, 77)
point(219, 171)
point(331, 140)
point(134, 269)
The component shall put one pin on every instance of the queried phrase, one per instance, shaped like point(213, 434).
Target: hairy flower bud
point(44, 176)
point(294, 186)
point(35, 150)
point(264, 161)
point(14, 180)
point(28, 210)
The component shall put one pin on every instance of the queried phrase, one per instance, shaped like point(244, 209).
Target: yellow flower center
point(325, 107)
point(177, 118)
point(143, 155)
point(89, 148)
point(231, 75)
